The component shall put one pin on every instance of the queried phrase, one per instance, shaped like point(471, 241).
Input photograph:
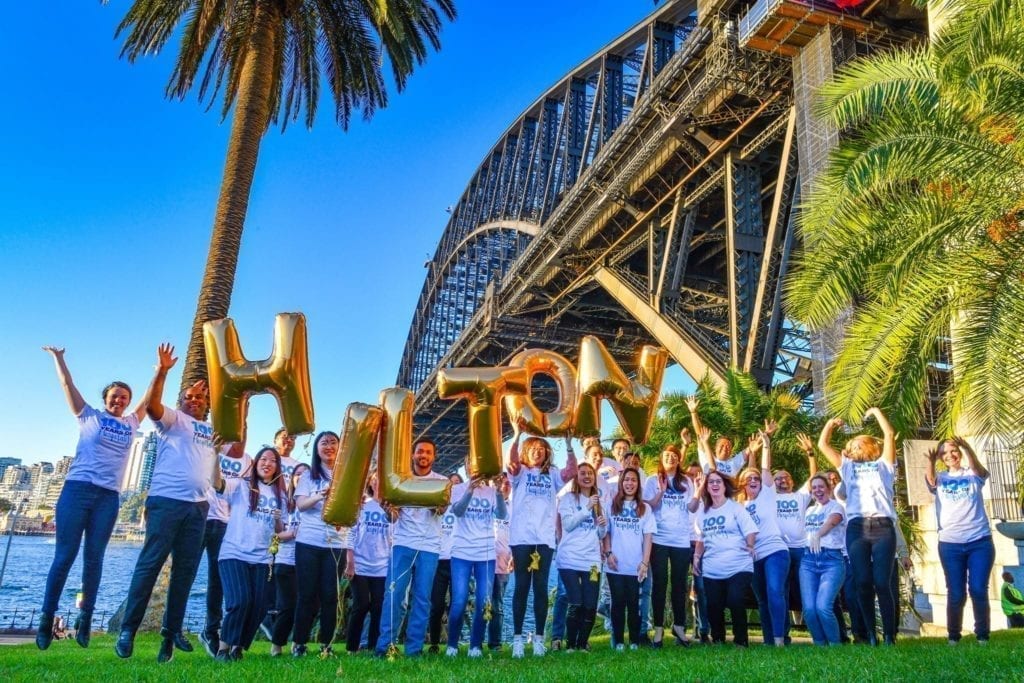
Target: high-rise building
point(7, 462)
point(139, 470)
point(63, 465)
point(37, 470)
point(17, 477)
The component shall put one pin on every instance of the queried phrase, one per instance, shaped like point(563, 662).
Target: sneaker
point(518, 647)
point(275, 651)
point(632, 646)
point(433, 649)
point(475, 652)
point(556, 644)
point(983, 643)
point(223, 656)
point(267, 631)
point(326, 651)
point(569, 650)
point(538, 646)
point(952, 643)
point(620, 648)
point(298, 650)
point(451, 651)
point(210, 643)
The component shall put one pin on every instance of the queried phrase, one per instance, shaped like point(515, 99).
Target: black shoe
point(166, 652)
point(434, 649)
point(83, 628)
point(181, 642)
point(125, 644)
point(705, 639)
point(326, 651)
point(235, 653)
point(223, 656)
point(211, 643)
point(298, 650)
point(44, 634)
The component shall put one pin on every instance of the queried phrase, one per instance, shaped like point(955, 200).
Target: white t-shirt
point(502, 550)
point(371, 547)
point(247, 537)
point(627, 530)
point(869, 488)
point(790, 509)
point(959, 506)
point(447, 526)
point(419, 528)
point(580, 547)
point(533, 506)
point(816, 517)
point(230, 468)
point(763, 511)
point(103, 445)
point(672, 515)
point(729, 467)
point(286, 549)
point(724, 531)
point(288, 466)
point(473, 535)
point(184, 457)
point(312, 528)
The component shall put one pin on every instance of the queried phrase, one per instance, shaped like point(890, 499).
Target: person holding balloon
point(535, 484)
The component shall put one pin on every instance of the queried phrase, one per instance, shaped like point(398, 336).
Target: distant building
point(7, 462)
point(63, 465)
point(141, 459)
point(17, 477)
point(37, 470)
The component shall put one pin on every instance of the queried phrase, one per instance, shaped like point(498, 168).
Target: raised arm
point(500, 508)
point(972, 458)
point(692, 404)
point(807, 446)
point(929, 473)
point(888, 435)
point(459, 507)
point(766, 460)
point(75, 401)
point(825, 445)
point(704, 454)
point(514, 464)
point(165, 360)
point(569, 471)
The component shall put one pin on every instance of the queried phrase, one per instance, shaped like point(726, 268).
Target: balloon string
point(392, 647)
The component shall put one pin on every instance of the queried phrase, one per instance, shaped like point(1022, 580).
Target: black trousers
point(525, 578)
point(213, 537)
point(729, 592)
point(581, 596)
point(174, 528)
point(662, 558)
point(440, 596)
point(625, 608)
point(367, 598)
point(285, 594)
point(317, 573)
point(245, 598)
point(871, 545)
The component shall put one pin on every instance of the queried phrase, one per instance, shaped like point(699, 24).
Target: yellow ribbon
point(534, 562)
point(275, 545)
point(595, 574)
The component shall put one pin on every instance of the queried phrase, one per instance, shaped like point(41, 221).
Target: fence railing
point(24, 620)
point(1004, 468)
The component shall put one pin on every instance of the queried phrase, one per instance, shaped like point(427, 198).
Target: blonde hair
point(863, 448)
point(741, 482)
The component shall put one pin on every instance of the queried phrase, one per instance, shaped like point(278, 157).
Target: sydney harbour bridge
point(649, 196)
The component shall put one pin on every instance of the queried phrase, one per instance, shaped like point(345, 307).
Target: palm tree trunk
point(250, 122)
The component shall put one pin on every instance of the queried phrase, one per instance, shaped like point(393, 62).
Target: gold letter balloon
point(521, 408)
point(395, 481)
point(233, 379)
point(352, 466)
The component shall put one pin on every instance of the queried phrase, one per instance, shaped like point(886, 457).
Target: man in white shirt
point(176, 509)
point(417, 544)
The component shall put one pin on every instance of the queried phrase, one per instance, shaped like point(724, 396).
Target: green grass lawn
point(922, 660)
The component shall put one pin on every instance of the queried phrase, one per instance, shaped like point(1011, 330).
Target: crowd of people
point(624, 544)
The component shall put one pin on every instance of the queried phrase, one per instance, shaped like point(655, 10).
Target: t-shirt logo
point(752, 509)
point(814, 520)
point(447, 523)
point(627, 520)
point(538, 484)
point(230, 467)
point(955, 489)
point(787, 509)
point(202, 434)
point(114, 431)
point(714, 526)
point(479, 509)
point(375, 522)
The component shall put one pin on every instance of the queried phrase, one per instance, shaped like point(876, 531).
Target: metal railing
point(25, 620)
point(1005, 470)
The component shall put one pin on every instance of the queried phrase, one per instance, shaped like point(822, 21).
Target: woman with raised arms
point(628, 556)
point(724, 556)
point(672, 496)
point(89, 501)
point(244, 559)
point(579, 554)
point(535, 485)
point(822, 566)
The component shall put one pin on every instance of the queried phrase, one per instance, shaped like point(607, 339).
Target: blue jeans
point(702, 627)
point(770, 576)
point(407, 566)
point(497, 611)
point(82, 509)
point(967, 565)
point(483, 574)
point(821, 577)
point(558, 614)
point(793, 586)
point(645, 603)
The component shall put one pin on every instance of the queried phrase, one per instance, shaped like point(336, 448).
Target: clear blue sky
point(108, 192)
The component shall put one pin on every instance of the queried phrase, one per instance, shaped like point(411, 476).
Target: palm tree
point(915, 224)
point(269, 58)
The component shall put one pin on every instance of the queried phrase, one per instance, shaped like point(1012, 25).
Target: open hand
point(165, 358)
point(56, 352)
point(805, 443)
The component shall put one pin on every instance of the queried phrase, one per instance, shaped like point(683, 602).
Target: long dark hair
point(316, 469)
point(619, 501)
point(276, 483)
point(296, 474)
point(678, 482)
point(727, 484)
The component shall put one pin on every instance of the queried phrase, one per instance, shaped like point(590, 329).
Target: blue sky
point(108, 192)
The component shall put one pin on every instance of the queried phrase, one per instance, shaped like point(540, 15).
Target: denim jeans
point(702, 626)
point(497, 611)
point(871, 544)
point(82, 509)
point(645, 603)
point(213, 537)
point(770, 576)
point(821, 577)
point(793, 586)
point(967, 567)
point(407, 567)
point(559, 612)
point(482, 573)
point(173, 528)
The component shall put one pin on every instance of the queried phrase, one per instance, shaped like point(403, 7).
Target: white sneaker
point(451, 652)
point(620, 648)
point(475, 652)
point(518, 648)
point(632, 646)
point(538, 646)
